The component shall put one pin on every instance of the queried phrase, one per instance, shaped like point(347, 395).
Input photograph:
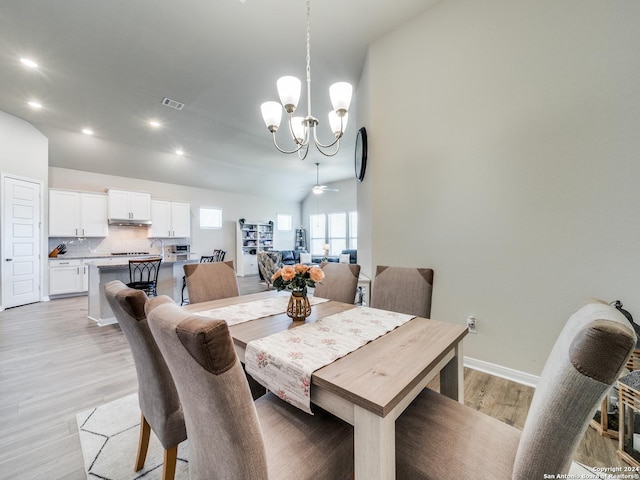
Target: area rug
point(109, 438)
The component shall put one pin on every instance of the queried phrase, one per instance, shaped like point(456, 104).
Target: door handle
point(8, 259)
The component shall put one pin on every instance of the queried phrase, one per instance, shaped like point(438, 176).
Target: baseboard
point(502, 372)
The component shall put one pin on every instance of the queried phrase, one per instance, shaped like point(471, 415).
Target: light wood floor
point(54, 363)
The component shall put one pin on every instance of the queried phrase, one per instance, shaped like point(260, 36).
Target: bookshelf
point(252, 237)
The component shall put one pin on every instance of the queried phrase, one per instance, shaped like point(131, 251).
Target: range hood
point(129, 222)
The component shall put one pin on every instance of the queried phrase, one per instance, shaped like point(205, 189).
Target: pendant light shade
point(338, 124)
point(272, 115)
point(299, 130)
point(289, 92)
point(340, 94)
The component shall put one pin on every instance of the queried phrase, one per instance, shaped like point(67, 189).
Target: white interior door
point(21, 225)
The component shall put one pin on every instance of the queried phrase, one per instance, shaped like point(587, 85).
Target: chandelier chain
point(308, 57)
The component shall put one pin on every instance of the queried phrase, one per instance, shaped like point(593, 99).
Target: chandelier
point(302, 129)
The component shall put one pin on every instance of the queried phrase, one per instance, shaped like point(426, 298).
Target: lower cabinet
point(68, 276)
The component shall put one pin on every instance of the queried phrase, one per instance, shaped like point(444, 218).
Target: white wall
point(23, 149)
point(203, 242)
point(505, 154)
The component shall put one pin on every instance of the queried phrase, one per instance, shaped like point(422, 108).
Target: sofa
point(291, 257)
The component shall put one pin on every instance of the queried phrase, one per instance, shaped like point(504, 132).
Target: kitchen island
point(105, 270)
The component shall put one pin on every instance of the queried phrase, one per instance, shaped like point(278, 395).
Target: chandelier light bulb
point(340, 94)
point(272, 115)
point(289, 92)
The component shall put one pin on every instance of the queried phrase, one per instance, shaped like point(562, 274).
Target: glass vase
point(299, 307)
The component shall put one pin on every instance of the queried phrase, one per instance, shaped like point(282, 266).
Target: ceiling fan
point(320, 189)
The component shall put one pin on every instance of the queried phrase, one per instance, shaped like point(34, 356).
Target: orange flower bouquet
point(297, 278)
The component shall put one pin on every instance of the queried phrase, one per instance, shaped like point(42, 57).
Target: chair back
point(157, 394)
point(143, 274)
point(340, 282)
point(221, 255)
point(586, 360)
point(403, 290)
point(225, 439)
point(208, 258)
point(211, 281)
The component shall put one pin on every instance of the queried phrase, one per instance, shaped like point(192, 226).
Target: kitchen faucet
point(153, 243)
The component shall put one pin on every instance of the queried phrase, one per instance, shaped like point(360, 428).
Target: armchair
point(268, 263)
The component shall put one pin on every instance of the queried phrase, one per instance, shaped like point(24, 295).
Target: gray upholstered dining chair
point(438, 438)
point(340, 282)
point(403, 290)
point(230, 436)
point(159, 402)
point(211, 281)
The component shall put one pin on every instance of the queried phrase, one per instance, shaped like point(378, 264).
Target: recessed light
point(35, 105)
point(87, 131)
point(154, 123)
point(179, 152)
point(29, 63)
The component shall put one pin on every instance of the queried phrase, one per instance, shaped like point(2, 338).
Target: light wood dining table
point(370, 387)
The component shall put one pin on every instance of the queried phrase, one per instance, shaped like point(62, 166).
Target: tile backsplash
point(120, 239)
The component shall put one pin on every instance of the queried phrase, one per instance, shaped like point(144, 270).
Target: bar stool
point(143, 275)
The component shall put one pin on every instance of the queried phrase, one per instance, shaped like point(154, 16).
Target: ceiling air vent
point(167, 102)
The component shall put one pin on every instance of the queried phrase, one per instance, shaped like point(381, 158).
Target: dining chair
point(403, 290)
point(439, 438)
point(143, 275)
point(160, 406)
point(230, 436)
point(211, 281)
point(203, 259)
point(340, 282)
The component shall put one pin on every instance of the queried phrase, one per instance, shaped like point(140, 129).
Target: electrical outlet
point(471, 324)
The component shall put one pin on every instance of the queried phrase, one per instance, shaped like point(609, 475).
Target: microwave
point(177, 249)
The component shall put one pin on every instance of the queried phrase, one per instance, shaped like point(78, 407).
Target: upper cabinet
point(129, 207)
point(170, 219)
point(77, 214)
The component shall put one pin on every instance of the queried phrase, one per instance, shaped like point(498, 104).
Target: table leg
point(375, 445)
point(452, 377)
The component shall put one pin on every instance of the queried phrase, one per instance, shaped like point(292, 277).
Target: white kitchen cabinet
point(129, 206)
point(68, 276)
point(77, 214)
point(170, 219)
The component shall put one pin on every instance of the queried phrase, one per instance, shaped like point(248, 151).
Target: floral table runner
point(285, 361)
point(244, 312)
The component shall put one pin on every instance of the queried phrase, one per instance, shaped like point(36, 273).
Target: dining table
point(370, 387)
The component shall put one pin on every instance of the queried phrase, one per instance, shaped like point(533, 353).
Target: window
point(284, 221)
point(318, 233)
point(210, 217)
point(353, 230)
point(339, 230)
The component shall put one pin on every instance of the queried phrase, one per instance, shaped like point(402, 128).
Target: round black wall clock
point(361, 154)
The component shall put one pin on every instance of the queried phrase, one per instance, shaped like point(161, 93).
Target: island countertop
point(105, 270)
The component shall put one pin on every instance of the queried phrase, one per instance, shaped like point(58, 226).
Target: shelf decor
point(629, 434)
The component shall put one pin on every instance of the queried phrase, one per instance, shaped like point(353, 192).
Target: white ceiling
point(108, 64)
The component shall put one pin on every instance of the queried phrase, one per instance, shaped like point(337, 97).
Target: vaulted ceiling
point(108, 64)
